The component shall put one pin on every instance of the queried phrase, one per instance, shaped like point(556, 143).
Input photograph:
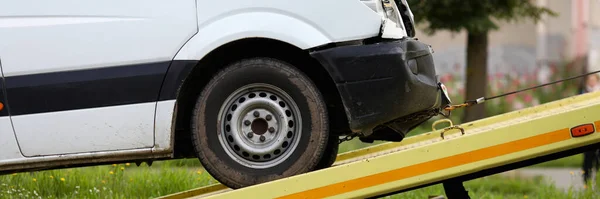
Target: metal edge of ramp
point(202, 191)
point(385, 168)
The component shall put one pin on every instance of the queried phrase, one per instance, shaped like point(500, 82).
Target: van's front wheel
point(259, 120)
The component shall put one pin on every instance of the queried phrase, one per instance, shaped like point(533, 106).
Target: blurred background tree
point(477, 18)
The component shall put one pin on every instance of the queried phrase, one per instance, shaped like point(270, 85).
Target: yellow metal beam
point(341, 158)
point(488, 143)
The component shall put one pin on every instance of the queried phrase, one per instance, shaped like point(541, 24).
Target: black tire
point(330, 153)
point(225, 164)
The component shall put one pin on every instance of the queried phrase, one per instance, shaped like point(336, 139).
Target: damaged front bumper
point(387, 88)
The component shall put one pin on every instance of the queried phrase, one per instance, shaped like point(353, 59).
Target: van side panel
point(163, 126)
point(85, 76)
point(8, 145)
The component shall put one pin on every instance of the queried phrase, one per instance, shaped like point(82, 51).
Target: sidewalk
point(562, 178)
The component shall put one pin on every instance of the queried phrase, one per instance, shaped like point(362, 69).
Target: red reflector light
point(1, 106)
point(582, 130)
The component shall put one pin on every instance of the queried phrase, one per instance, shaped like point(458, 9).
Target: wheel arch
point(210, 64)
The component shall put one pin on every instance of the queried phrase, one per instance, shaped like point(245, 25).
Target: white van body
point(96, 82)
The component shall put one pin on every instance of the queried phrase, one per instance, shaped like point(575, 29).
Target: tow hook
point(452, 126)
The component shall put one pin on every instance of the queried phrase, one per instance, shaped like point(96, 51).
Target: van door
point(84, 76)
point(8, 143)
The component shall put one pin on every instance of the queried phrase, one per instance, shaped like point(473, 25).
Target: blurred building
point(525, 47)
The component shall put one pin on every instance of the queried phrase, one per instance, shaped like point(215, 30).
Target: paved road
point(563, 178)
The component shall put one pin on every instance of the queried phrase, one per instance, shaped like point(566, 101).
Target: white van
point(256, 90)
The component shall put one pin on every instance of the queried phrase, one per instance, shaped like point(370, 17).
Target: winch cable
point(483, 99)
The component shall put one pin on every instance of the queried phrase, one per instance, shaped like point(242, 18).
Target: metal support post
point(455, 190)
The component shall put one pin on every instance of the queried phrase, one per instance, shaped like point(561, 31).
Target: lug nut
point(268, 117)
point(247, 123)
point(262, 138)
point(250, 135)
point(256, 114)
point(271, 129)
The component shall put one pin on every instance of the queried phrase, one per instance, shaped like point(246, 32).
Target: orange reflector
point(1, 106)
point(582, 130)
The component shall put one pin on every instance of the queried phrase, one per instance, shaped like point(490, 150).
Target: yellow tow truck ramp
point(485, 147)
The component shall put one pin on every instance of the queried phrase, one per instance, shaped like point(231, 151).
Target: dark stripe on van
point(4, 111)
point(80, 89)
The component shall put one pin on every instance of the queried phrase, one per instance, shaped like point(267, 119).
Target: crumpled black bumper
point(384, 83)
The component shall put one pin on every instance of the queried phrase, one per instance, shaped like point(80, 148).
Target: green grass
point(118, 181)
point(162, 179)
point(497, 187)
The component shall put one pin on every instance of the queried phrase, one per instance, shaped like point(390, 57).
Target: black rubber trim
point(80, 89)
point(3, 112)
point(176, 74)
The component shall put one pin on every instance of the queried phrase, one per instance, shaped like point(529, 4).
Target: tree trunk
point(476, 74)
